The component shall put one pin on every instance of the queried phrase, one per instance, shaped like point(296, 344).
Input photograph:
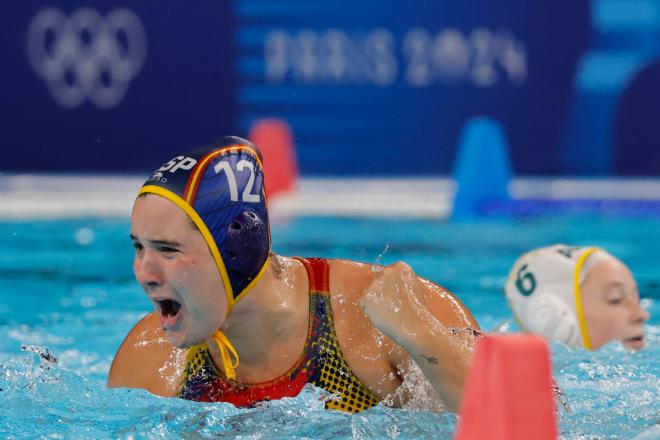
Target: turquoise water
point(69, 298)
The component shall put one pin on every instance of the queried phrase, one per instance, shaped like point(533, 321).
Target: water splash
point(416, 393)
point(379, 258)
point(59, 403)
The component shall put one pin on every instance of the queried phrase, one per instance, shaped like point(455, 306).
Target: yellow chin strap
point(225, 348)
point(578, 297)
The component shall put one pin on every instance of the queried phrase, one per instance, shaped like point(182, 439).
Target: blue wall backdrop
point(113, 87)
point(381, 90)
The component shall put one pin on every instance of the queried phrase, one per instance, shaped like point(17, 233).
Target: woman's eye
point(167, 250)
point(137, 247)
point(614, 301)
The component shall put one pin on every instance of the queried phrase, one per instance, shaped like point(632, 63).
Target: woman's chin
point(182, 340)
point(177, 338)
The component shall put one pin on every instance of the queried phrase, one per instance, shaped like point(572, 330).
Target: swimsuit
point(320, 364)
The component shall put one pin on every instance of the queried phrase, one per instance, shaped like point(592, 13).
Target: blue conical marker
point(483, 167)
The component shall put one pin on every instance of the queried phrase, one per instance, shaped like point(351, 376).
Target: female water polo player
point(234, 322)
point(581, 296)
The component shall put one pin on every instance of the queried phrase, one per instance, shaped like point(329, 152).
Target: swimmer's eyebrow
point(158, 242)
point(165, 243)
point(615, 284)
point(621, 287)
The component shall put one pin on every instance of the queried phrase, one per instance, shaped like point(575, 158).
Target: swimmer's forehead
point(152, 211)
point(621, 284)
point(157, 220)
point(607, 264)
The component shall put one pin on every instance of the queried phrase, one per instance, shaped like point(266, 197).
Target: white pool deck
point(31, 196)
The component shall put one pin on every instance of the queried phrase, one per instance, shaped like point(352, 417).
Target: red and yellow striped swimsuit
point(321, 363)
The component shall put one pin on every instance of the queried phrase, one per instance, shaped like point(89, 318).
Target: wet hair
point(275, 264)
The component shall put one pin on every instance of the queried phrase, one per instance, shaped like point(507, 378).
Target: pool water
point(69, 298)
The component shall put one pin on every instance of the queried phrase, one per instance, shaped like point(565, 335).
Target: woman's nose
point(640, 315)
point(147, 271)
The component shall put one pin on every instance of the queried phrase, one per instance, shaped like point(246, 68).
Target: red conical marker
point(274, 139)
point(508, 395)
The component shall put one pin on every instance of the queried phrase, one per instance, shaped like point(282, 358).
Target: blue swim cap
point(221, 188)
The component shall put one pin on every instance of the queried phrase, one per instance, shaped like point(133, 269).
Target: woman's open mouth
point(169, 312)
point(635, 343)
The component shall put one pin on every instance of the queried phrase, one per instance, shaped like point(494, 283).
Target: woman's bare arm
point(147, 360)
point(429, 323)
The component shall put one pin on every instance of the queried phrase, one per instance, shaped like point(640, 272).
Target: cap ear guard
point(246, 244)
point(549, 316)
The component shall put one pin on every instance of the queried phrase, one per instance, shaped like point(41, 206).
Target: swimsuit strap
point(318, 272)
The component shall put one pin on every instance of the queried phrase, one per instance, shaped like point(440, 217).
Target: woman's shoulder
point(353, 275)
point(356, 277)
point(146, 359)
point(346, 275)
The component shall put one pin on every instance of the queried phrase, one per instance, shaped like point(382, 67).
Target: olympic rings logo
point(86, 56)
